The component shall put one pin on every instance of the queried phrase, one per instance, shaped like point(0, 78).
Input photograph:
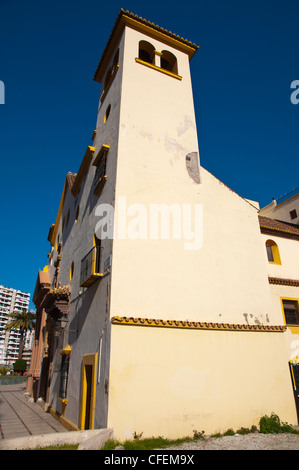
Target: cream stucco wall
point(223, 279)
point(289, 257)
point(169, 382)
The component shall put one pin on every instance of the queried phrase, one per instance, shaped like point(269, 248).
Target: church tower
point(146, 118)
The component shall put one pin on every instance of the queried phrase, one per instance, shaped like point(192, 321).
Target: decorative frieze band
point(195, 325)
point(284, 282)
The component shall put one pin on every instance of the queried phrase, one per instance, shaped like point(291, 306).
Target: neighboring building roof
point(125, 18)
point(279, 228)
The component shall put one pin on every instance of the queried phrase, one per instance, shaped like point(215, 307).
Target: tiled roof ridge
point(157, 27)
point(278, 225)
point(126, 13)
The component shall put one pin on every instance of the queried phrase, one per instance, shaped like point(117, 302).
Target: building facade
point(12, 300)
point(158, 313)
point(285, 208)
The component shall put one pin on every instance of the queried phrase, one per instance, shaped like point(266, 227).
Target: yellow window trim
point(100, 154)
point(66, 350)
point(293, 328)
point(63, 400)
point(174, 75)
point(88, 359)
point(275, 252)
point(292, 372)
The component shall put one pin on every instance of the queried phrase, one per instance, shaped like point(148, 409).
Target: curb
point(58, 438)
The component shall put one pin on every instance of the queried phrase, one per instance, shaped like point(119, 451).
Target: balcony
point(90, 267)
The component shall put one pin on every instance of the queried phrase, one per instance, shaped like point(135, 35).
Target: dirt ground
point(253, 441)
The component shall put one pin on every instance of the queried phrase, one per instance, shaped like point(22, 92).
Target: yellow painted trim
point(158, 53)
point(66, 350)
point(293, 328)
point(195, 325)
point(275, 252)
point(64, 421)
point(292, 373)
point(63, 400)
point(88, 359)
point(139, 61)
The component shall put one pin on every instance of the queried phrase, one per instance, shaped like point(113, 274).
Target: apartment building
point(12, 300)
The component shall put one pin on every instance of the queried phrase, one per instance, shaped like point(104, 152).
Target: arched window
point(146, 52)
point(169, 62)
point(272, 252)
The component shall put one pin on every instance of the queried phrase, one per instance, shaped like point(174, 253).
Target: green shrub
point(243, 431)
point(3, 369)
point(273, 425)
point(229, 432)
point(20, 366)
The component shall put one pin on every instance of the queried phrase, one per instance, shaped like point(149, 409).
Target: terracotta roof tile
point(125, 14)
point(278, 227)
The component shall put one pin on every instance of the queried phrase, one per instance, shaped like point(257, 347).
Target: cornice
point(195, 325)
point(283, 282)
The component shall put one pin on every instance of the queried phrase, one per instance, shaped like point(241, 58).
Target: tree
point(22, 321)
point(20, 366)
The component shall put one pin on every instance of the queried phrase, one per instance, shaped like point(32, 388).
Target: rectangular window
point(290, 308)
point(64, 372)
point(293, 214)
point(270, 253)
point(90, 266)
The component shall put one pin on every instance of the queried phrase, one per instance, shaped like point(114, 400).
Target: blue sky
point(49, 50)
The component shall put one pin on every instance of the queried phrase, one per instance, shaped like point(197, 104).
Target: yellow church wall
point(171, 381)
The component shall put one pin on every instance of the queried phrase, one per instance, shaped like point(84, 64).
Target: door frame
point(88, 360)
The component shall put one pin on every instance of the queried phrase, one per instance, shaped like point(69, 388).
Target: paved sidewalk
point(20, 417)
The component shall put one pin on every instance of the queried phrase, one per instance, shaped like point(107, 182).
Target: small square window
point(290, 308)
point(293, 214)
